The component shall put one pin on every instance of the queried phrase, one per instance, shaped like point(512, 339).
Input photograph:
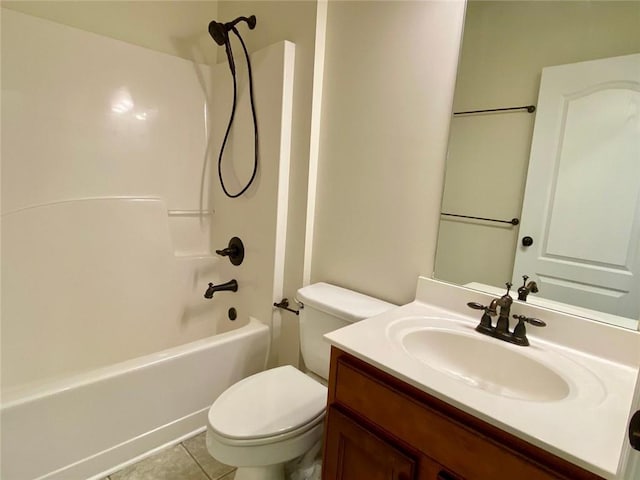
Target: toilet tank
point(327, 308)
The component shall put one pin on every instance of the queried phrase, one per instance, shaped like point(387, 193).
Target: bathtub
point(93, 424)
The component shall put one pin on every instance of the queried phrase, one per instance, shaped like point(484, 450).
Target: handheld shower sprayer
point(220, 33)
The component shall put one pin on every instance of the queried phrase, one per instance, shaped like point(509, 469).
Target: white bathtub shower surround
point(109, 221)
point(101, 146)
point(89, 116)
point(81, 282)
point(107, 209)
point(90, 424)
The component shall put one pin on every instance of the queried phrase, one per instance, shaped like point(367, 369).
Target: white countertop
point(587, 428)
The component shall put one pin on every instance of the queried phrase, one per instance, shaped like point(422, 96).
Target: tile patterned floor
point(188, 460)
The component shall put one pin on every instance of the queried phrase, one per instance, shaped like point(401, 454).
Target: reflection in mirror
point(568, 171)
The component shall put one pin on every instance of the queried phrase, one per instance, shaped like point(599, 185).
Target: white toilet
point(272, 417)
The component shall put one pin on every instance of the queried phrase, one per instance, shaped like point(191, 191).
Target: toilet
point(275, 416)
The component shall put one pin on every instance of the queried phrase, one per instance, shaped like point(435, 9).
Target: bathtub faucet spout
point(230, 286)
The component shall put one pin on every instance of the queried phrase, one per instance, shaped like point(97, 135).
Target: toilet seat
point(268, 407)
point(267, 440)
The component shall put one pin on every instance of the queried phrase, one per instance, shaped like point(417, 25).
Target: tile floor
point(188, 460)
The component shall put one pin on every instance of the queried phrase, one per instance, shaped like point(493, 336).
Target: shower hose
point(233, 112)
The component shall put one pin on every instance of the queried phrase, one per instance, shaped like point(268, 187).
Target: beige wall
point(506, 44)
point(177, 27)
point(388, 86)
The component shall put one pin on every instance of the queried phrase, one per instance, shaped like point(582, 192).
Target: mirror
point(498, 170)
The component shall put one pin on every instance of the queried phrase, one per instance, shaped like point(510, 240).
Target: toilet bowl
point(265, 420)
point(270, 418)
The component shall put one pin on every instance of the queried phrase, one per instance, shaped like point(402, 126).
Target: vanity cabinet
point(379, 427)
point(360, 454)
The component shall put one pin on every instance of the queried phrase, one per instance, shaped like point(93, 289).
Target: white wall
point(389, 75)
point(506, 45)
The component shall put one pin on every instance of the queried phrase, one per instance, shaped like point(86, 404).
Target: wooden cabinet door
point(465, 446)
point(354, 453)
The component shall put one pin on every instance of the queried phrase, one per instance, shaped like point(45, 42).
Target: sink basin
point(484, 363)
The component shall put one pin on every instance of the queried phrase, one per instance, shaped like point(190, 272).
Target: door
point(582, 198)
point(354, 453)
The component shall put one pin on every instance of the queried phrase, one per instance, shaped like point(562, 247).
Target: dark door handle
point(444, 475)
point(527, 241)
point(634, 431)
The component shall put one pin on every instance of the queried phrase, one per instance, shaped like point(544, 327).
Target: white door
point(582, 198)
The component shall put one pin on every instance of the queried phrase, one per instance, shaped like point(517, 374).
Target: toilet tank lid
point(345, 304)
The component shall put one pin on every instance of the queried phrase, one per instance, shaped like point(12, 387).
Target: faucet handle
point(235, 251)
point(488, 309)
point(519, 336)
point(476, 306)
point(531, 321)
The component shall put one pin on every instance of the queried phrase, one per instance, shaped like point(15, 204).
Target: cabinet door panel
point(354, 453)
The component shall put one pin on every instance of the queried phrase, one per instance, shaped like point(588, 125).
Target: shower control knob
point(235, 251)
point(527, 241)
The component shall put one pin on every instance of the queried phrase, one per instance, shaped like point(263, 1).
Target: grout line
point(195, 460)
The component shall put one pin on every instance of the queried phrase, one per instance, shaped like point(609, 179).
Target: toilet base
point(267, 472)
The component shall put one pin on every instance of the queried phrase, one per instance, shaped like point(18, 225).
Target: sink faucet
point(504, 302)
point(230, 286)
point(527, 288)
point(501, 330)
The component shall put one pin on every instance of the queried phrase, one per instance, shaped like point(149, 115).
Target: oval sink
point(485, 364)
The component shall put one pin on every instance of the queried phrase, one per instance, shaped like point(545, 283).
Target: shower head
point(220, 31)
